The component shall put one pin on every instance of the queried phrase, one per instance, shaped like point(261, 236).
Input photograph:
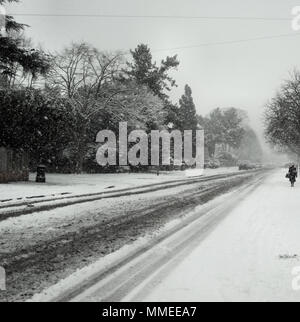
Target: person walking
point(292, 175)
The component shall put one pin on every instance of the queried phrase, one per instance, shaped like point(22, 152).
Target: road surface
point(250, 256)
point(42, 246)
point(246, 247)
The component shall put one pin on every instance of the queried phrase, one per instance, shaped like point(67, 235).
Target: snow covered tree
point(137, 106)
point(86, 77)
point(223, 127)
point(90, 80)
point(282, 116)
point(250, 148)
point(214, 129)
point(233, 129)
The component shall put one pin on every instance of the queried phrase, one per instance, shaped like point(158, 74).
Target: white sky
point(244, 75)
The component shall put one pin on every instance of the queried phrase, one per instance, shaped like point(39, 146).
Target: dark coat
point(293, 174)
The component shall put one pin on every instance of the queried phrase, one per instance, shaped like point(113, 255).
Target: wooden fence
point(13, 165)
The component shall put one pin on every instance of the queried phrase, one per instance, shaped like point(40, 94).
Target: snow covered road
point(249, 256)
point(40, 249)
point(243, 245)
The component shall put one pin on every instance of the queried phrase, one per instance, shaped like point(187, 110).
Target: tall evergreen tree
point(12, 52)
point(187, 111)
point(145, 72)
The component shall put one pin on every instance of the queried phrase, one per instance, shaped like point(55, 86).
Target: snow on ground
point(250, 256)
point(90, 183)
point(81, 275)
point(17, 232)
point(84, 274)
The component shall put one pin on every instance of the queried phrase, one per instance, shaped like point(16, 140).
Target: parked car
point(246, 165)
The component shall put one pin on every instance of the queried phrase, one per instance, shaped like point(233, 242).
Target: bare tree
point(87, 78)
point(282, 116)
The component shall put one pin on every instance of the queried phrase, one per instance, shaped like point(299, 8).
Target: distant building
point(14, 165)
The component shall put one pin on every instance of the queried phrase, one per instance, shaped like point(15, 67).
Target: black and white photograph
point(149, 154)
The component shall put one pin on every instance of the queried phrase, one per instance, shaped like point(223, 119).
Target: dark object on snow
point(292, 175)
point(41, 174)
point(247, 165)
